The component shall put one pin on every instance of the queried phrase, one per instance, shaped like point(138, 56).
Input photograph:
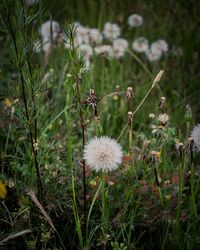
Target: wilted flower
point(180, 149)
point(162, 103)
point(163, 119)
point(130, 117)
point(111, 31)
point(140, 44)
point(120, 46)
point(50, 30)
point(135, 20)
point(103, 154)
point(106, 50)
point(129, 93)
point(195, 135)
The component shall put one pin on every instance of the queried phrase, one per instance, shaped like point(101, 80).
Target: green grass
point(127, 210)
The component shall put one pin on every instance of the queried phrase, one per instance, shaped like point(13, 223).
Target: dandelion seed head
point(153, 56)
point(81, 35)
point(50, 29)
point(140, 44)
point(86, 50)
point(111, 31)
point(135, 20)
point(103, 154)
point(120, 46)
point(159, 45)
point(106, 50)
point(195, 135)
point(95, 36)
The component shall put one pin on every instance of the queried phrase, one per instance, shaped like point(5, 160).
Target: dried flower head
point(140, 44)
point(154, 157)
point(103, 154)
point(163, 119)
point(180, 149)
point(130, 117)
point(92, 100)
point(162, 103)
point(129, 93)
point(195, 135)
point(135, 20)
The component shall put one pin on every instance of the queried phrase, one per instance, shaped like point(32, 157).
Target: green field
point(99, 130)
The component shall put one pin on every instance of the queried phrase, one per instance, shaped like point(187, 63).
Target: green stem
point(137, 59)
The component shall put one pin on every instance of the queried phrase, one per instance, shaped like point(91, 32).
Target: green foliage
point(152, 201)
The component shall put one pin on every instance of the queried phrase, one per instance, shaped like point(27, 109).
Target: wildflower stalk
point(180, 184)
point(77, 78)
point(130, 122)
point(103, 199)
point(156, 176)
point(33, 138)
point(139, 61)
point(155, 82)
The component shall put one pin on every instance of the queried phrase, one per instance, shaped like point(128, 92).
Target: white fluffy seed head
point(50, 29)
point(140, 44)
point(103, 154)
point(111, 31)
point(195, 135)
point(135, 20)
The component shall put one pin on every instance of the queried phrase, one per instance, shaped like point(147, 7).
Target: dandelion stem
point(137, 59)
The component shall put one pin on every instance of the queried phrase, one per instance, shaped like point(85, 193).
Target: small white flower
point(140, 44)
point(135, 20)
point(195, 135)
point(159, 46)
point(103, 154)
point(111, 31)
point(120, 46)
point(50, 29)
point(106, 50)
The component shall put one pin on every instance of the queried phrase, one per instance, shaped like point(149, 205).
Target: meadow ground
point(99, 118)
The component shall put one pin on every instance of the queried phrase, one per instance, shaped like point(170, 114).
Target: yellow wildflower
point(3, 190)
point(7, 103)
